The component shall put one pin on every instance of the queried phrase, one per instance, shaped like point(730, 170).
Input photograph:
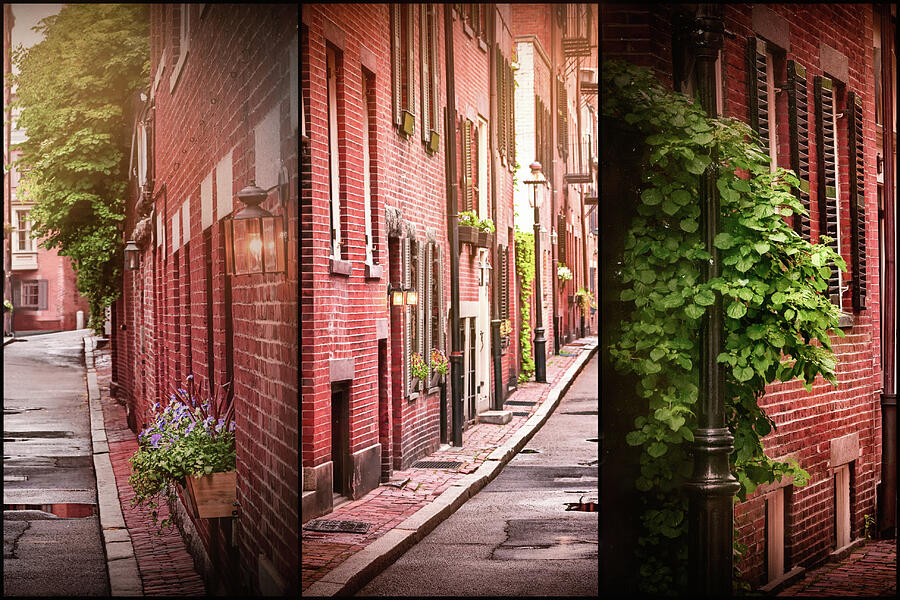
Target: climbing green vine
point(525, 271)
point(775, 318)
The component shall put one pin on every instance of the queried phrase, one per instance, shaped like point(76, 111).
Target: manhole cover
point(337, 526)
point(436, 464)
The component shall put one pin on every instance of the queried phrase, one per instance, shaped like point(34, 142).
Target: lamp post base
point(540, 356)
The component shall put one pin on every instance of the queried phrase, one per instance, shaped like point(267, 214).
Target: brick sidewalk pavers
point(165, 566)
point(869, 571)
point(385, 507)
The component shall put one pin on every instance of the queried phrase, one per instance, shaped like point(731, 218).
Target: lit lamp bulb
point(255, 247)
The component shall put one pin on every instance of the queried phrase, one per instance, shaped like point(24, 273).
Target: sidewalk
point(338, 563)
point(164, 564)
point(869, 571)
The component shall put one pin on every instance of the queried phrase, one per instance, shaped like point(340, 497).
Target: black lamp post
point(711, 487)
point(540, 352)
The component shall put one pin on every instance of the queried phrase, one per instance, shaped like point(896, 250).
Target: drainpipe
point(554, 110)
point(497, 403)
point(456, 357)
point(887, 525)
point(584, 257)
point(711, 487)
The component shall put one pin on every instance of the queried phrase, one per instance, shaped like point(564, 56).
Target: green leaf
point(676, 422)
point(705, 298)
point(687, 434)
point(657, 353)
point(657, 449)
point(761, 247)
point(742, 373)
point(669, 207)
point(693, 311)
point(643, 484)
point(651, 196)
point(701, 139)
point(681, 197)
point(698, 164)
point(635, 438)
point(736, 310)
point(627, 295)
point(689, 225)
point(756, 331)
point(723, 241)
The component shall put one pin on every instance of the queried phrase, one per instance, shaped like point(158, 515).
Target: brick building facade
point(220, 111)
point(374, 227)
point(813, 69)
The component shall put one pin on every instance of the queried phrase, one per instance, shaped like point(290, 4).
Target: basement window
point(842, 506)
point(775, 534)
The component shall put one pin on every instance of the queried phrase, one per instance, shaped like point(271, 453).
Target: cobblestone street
point(869, 571)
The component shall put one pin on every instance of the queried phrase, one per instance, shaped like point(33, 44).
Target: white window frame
point(367, 175)
point(333, 158)
point(842, 505)
point(482, 207)
point(22, 285)
point(184, 39)
point(775, 534)
point(142, 153)
point(28, 240)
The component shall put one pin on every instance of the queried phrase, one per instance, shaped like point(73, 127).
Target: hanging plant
point(770, 286)
point(417, 367)
point(563, 273)
point(439, 361)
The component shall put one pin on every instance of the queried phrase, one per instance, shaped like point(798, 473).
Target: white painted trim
point(367, 175)
point(159, 71)
point(183, 44)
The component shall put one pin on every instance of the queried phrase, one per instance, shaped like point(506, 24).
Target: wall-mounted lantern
point(483, 267)
point(255, 240)
point(132, 256)
point(400, 296)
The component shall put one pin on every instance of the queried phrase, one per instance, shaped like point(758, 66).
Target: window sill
point(482, 45)
point(373, 271)
point(337, 266)
point(412, 396)
point(845, 320)
point(434, 390)
point(468, 30)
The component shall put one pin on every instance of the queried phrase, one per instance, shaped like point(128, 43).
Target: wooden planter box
point(468, 234)
point(211, 496)
point(485, 239)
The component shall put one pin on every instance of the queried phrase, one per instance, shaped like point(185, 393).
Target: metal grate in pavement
point(521, 402)
point(337, 526)
point(436, 464)
point(520, 414)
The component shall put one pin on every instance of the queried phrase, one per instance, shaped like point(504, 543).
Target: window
point(184, 37)
point(333, 157)
point(827, 98)
point(429, 75)
point(367, 104)
point(434, 331)
point(481, 165)
point(23, 232)
point(769, 64)
point(414, 280)
point(842, 506)
point(31, 294)
point(402, 67)
point(562, 118)
point(469, 167)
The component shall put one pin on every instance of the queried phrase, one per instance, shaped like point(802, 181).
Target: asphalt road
point(515, 538)
point(48, 468)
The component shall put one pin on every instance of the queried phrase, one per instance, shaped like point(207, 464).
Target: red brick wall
point(63, 299)
point(807, 423)
point(236, 72)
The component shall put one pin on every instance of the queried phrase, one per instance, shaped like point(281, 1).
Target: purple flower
point(154, 439)
point(190, 377)
point(231, 426)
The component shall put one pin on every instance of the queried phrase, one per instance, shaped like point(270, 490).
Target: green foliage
point(73, 89)
point(775, 318)
point(869, 524)
point(525, 271)
point(468, 217)
point(192, 436)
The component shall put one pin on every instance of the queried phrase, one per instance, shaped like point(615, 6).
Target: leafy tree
point(776, 319)
point(73, 90)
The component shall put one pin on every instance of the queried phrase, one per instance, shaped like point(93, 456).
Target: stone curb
point(121, 564)
point(358, 570)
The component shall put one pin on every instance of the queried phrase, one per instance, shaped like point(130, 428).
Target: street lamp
point(254, 238)
point(540, 354)
point(132, 256)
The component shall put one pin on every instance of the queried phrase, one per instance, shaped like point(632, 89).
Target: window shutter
point(828, 221)
point(42, 294)
point(562, 127)
point(17, 295)
point(435, 82)
point(423, 293)
point(756, 89)
point(410, 67)
point(538, 130)
point(501, 104)
point(504, 282)
point(439, 257)
point(798, 119)
point(395, 62)
point(425, 76)
point(467, 165)
point(511, 114)
point(407, 351)
point(857, 200)
point(561, 239)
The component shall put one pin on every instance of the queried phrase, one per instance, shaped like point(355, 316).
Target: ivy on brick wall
point(73, 89)
point(776, 320)
point(525, 271)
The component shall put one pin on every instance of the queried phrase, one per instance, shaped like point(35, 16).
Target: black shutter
point(857, 200)
point(501, 104)
point(561, 239)
point(424, 74)
point(827, 190)
point(395, 62)
point(504, 282)
point(756, 89)
point(17, 294)
point(511, 114)
point(562, 129)
point(798, 119)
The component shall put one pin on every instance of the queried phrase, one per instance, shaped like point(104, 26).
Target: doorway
point(340, 438)
point(467, 340)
